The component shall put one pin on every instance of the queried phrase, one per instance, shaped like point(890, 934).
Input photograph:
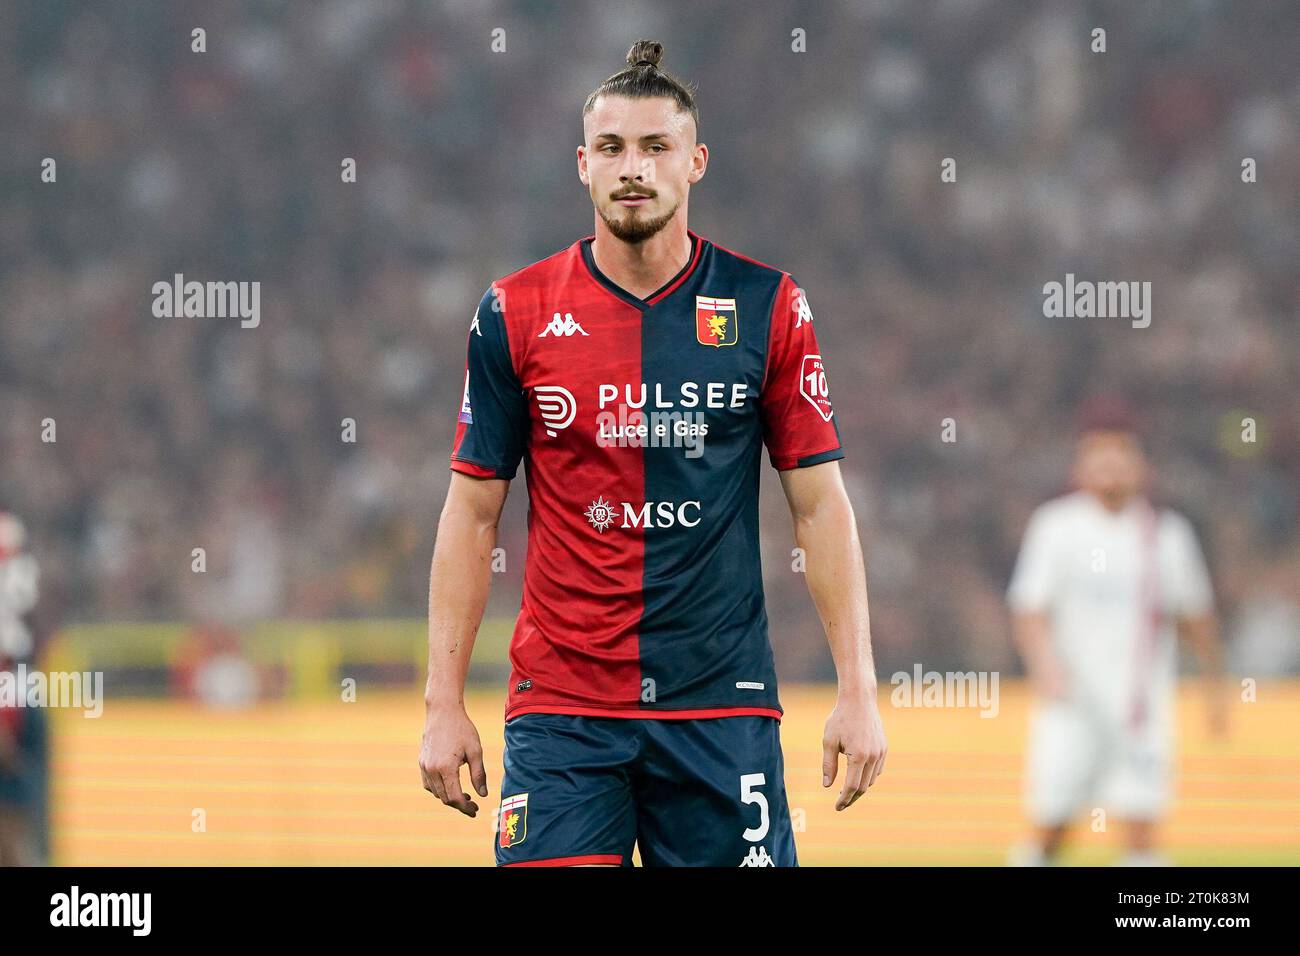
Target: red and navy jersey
point(641, 424)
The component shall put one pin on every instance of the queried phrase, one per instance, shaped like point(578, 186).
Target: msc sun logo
point(601, 514)
point(557, 405)
point(565, 326)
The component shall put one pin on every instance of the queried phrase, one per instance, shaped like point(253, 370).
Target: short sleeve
point(492, 428)
point(799, 426)
point(19, 584)
point(1191, 593)
point(1033, 582)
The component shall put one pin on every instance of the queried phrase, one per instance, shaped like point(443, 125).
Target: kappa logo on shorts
point(758, 856)
point(513, 820)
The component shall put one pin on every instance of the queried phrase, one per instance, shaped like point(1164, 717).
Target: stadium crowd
point(174, 434)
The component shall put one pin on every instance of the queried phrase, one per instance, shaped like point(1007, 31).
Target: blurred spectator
point(212, 668)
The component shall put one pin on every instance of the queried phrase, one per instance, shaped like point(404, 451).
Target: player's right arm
point(1030, 595)
point(491, 435)
point(459, 581)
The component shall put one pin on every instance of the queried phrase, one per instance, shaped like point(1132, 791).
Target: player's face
point(1110, 465)
point(639, 160)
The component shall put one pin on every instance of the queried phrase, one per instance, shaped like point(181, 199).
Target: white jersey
point(19, 579)
point(1112, 585)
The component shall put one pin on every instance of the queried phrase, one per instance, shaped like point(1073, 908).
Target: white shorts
point(1078, 759)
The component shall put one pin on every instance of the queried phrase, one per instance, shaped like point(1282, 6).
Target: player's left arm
point(826, 530)
point(1201, 633)
point(803, 442)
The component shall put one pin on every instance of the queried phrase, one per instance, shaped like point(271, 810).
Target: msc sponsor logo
point(565, 326)
point(600, 513)
point(651, 514)
point(557, 406)
point(716, 322)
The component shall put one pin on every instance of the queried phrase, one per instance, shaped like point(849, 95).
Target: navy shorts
point(702, 792)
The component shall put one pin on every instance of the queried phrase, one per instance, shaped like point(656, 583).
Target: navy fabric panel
point(704, 627)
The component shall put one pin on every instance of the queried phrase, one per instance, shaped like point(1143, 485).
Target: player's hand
point(450, 740)
point(853, 729)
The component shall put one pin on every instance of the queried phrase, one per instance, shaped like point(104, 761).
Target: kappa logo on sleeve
point(812, 386)
point(513, 820)
point(802, 312)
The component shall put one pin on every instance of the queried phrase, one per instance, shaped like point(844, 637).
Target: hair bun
point(645, 53)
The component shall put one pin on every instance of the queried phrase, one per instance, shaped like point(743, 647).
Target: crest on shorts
point(716, 322)
point(512, 821)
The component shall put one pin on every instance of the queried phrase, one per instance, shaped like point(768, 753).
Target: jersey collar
point(667, 289)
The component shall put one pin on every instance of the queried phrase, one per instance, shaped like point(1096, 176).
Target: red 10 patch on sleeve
point(812, 386)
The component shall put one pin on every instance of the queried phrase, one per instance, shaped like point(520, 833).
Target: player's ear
point(582, 165)
point(699, 163)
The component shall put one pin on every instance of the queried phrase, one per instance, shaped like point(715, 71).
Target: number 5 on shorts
point(748, 781)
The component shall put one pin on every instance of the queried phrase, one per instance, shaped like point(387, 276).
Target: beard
point(635, 228)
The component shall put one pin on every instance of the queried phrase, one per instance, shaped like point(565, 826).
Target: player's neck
point(645, 267)
point(1116, 506)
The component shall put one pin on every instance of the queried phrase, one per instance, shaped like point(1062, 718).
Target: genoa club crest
point(513, 820)
point(716, 321)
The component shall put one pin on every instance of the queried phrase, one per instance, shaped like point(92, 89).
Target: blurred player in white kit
point(19, 588)
point(1102, 582)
